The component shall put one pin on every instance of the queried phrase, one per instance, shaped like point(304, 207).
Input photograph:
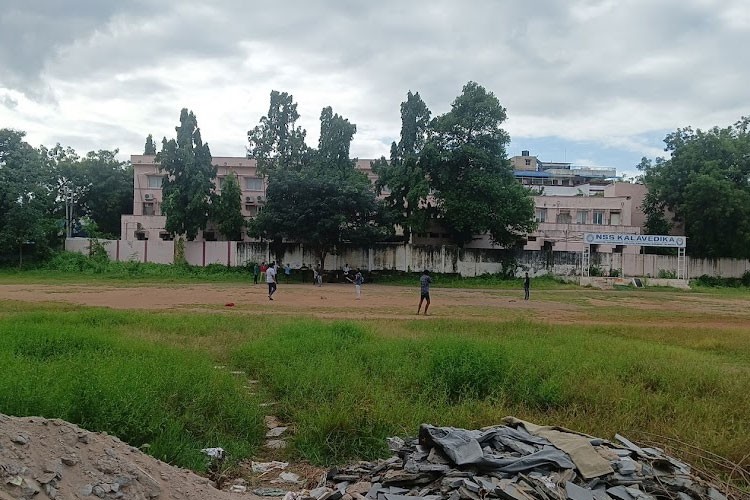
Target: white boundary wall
point(404, 257)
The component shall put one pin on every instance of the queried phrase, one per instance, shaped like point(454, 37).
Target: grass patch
point(348, 386)
point(79, 366)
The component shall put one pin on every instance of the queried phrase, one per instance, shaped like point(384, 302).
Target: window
point(154, 181)
point(209, 236)
point(141, 235)
point(220, 182)
point(540, 214)
point(614, 218)
point(582, 217)
point(528, 161)
point(148, 208)
point(598, 217)
point(252, 210)
point(166, 236)
point(564, 217)
point(253, 184)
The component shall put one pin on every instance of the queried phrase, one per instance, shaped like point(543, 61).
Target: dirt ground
point(396, 302)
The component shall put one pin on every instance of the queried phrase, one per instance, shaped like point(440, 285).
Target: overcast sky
point(593, 82)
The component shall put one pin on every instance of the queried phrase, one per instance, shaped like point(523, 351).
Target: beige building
point(147, 221)
point(563, 219)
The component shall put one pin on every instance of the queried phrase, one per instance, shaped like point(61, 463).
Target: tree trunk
point(20, 255)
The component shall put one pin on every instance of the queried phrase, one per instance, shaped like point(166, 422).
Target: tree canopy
point(473, 185)
point(189, 178)
point(150, 147)
point(402, 180)
point(226, 209)
point(705, 183)
point(319, 198)
point(27, 197)
point(277, 142)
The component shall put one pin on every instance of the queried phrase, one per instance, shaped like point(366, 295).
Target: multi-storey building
point(571, 203)
point(147, 221)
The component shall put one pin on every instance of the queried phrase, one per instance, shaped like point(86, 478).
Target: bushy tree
point(473, 185)
point(277, 142)
point(189, 178)
point(226, 209)
point(109, 193)
point(27, 197)
point(323, 201)
point(402, 179)
point(705, 183)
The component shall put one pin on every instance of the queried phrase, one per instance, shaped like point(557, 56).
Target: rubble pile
point(514, 461)
point(53, 459)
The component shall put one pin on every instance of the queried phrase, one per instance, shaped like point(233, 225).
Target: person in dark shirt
point(424, 289)
point(526, 286)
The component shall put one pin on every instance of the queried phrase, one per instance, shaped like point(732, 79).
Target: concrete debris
point(276, 432)
point(275, 444)
point(264, 467)
point(514, 461)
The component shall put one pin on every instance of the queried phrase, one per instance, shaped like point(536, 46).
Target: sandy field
point(579, 306)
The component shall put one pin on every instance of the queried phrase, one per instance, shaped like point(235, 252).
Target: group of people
point(425, 281)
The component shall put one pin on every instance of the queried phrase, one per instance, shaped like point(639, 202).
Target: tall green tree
point(327, 203)
point(473, 185)
point(150, 147)
point(109, 190)
point(27, 198)
point(189, 178)
point(705, 183)
point(402, 179)
point(277, 142)
point(226, 209)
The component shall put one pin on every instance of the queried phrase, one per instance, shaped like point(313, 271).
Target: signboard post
point(642, 240)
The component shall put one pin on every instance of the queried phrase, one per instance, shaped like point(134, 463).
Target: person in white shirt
point(271, 280)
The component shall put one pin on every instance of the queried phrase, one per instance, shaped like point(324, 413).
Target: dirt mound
point(43, 458)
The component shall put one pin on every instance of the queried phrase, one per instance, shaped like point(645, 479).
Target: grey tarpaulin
point(465, 447)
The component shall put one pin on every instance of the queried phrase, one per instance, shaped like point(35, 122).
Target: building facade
point(568, 204)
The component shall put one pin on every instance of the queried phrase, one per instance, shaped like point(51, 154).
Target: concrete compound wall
point(413, 258)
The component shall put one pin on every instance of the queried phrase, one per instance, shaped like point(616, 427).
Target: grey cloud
point(554, 64)
point(8, 102)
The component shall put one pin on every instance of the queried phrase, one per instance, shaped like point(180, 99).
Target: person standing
point(287, 272)
point(358, 280)
point(346, 272)
point(271, 280)
point(256, 273)
point(424, 289)
point(526, 286)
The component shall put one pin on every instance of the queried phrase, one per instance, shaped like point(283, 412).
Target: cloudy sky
point(593, 82)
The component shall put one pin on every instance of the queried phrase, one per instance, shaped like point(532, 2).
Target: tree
point(26, 197)
point(705, 183)
point(473, 185)
point(189, 181)
point(226, 209)
point(277, 142)
point(150, 148)
point(403, 179)
point(109, 190)
point(325, 204)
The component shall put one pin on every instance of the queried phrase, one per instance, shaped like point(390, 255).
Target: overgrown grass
point(347, 386)
point(82, 366)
